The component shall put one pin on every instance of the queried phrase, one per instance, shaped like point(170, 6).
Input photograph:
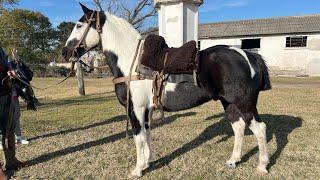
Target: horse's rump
point(263, 68)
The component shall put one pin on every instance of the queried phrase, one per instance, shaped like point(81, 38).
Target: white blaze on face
point(240, 51)
point(77, 31)
point(91, 39)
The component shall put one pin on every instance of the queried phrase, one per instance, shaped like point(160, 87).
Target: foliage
point(7, 2)
point(64, 31)
point(29, 32)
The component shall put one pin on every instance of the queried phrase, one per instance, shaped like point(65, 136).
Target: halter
point(81, 42)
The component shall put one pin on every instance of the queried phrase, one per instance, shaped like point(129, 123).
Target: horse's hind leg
point(238, 126)
point(259, 130)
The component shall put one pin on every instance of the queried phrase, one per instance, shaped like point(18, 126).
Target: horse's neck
point(122, 41)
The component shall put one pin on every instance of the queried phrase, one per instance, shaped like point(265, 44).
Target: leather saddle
point(157, 56)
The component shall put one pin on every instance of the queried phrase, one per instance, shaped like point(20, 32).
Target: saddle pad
point(179, 60)
point(180, 78)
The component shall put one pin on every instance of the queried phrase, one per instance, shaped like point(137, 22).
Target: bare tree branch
point(137, 15)
point(98, 4)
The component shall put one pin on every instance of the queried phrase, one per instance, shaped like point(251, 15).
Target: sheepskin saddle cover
point(179, 60)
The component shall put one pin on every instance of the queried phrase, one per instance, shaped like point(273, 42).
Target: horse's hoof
point(146, 166)
point(135, 174)
point(231, 165)
point(262, 170)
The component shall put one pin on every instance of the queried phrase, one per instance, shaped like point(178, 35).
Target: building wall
point(300, 60)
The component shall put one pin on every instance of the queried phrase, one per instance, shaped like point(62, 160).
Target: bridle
point(81, 43)
point(127, 79)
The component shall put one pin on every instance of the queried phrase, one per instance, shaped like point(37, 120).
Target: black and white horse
point(23, 89)
point(231, 75)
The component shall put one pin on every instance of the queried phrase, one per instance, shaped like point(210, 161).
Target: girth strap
point(131, 78)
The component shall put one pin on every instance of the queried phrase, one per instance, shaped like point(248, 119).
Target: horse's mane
point(121, 39)
point(121, 23)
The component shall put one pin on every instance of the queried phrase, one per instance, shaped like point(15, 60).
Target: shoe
point(21, 140)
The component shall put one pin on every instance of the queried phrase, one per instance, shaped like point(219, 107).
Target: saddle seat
point(157, 56)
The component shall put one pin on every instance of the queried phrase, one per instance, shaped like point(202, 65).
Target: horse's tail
point(265, 83)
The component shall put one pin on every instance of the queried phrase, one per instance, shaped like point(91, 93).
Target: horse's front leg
point(141, 136)
point(147, 146)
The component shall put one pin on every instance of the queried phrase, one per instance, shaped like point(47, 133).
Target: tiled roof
point(256, 27)
point(271, 26)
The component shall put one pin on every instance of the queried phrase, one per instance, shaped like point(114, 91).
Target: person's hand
point(12, 73)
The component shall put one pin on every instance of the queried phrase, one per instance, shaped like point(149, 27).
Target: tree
point(29, 32)
point(7, 2)
point(64, 31)
point(138, 14)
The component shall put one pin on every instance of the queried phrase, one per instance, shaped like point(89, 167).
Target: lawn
point(84, 137)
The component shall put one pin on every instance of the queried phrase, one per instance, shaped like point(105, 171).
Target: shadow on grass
point(109, 121)
point(278, 125)
point(112, 138)
point(77, 100)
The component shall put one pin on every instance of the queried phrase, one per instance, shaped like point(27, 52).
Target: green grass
point(84, 137)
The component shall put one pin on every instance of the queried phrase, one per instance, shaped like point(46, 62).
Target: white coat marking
point(240, 51)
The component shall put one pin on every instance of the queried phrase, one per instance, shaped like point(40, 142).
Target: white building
point(290, 45)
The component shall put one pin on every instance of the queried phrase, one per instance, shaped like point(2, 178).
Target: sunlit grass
point(84, 137)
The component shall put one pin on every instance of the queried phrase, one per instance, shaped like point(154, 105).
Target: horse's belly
point(183, 96)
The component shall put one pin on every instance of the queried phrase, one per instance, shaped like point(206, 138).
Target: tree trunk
point(80, 79)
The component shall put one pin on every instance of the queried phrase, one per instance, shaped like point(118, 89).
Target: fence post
point(80, 79)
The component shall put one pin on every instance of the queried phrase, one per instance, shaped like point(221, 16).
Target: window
point(199, 45)
point(250, 43)
point(296, 41)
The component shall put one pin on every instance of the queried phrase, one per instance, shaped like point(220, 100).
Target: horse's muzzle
point(67, 52)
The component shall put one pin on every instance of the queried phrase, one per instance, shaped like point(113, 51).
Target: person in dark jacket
point(7, 125)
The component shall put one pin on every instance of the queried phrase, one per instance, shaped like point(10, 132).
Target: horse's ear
point(86, 10)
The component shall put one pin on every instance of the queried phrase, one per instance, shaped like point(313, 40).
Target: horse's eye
point(79, 25)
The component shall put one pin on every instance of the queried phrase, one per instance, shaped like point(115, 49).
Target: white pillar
point(178, 20)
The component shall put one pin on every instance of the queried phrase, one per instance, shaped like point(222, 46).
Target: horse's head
point(23, 90)
point(27, 94)
point(85, 35)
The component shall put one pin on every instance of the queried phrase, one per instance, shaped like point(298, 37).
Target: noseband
point(81, 43)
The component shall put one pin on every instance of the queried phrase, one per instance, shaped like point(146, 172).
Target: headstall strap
point(80, 42)
point(98, 26)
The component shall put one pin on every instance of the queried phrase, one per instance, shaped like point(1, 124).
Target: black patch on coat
point(225, 73)
point(121, 90)
point(146, 118)
point(103, 19)
point(136, 127)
